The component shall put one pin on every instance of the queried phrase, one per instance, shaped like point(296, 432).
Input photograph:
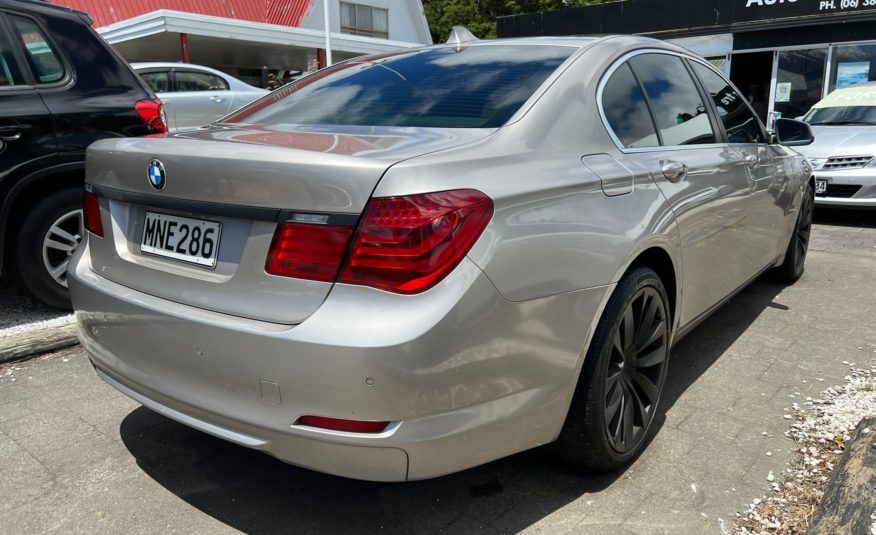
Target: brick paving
point(75, 456)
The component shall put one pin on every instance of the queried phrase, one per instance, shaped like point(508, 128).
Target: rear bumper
point(464, 375)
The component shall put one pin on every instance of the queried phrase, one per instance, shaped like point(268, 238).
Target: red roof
point(283, 12)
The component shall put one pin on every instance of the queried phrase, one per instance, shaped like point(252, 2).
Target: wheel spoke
point(613, 403)
point(652, 358)
point(618, 344)
point(628, 419)
point(641, 408)
point(651, 335)
point(628, 326)
point(60, 271)
point(52, 244)
point(645, 385)
point(63, 234)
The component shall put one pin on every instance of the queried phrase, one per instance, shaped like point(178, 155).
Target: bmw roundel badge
point(156, 175)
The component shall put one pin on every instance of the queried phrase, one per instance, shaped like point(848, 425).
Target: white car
point(195, 95)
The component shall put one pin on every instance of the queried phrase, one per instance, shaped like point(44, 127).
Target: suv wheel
point(49, 235)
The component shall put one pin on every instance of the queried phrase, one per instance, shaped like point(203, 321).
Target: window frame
point(717, 127)
point(711, 104)
point(175, 70)
point(356, 30)
point(21, 53)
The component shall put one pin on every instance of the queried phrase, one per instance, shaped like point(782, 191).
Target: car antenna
point(460, 35)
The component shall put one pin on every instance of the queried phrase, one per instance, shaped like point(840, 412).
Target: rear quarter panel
point(554, 229)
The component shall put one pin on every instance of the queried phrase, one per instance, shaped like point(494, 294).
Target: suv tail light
point(151, 110)
point(91, 211)
point(402, 244)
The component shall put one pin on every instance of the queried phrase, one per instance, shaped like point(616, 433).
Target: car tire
point(46, 240)
point(630, 347)
point(795, 256)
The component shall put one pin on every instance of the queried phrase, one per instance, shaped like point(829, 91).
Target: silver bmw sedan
point(409, 264)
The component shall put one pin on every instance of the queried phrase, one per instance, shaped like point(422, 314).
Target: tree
point(479, 16)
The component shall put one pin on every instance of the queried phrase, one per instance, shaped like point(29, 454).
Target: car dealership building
point(785, 55)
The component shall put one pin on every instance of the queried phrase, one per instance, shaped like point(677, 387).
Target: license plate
point(820, 187)
point(181, 238)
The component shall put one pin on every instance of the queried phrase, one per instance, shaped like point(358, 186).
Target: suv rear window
point(472, 87)
point(43, 60)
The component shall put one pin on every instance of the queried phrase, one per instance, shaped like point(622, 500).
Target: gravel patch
point(821, 427)
point(20, 313)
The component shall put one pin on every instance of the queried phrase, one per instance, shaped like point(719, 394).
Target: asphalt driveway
point(75, 456)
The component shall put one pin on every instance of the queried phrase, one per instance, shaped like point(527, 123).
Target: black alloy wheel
point(617, 398)
point(795, 256)
point(634, 378)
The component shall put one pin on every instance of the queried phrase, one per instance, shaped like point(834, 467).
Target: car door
point(27, 136)
point(199, 97)
point(762, 164)
point(697, 172)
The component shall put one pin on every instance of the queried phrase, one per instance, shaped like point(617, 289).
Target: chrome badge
point(156, 175)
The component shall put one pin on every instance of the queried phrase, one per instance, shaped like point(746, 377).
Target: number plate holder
point(194, 241)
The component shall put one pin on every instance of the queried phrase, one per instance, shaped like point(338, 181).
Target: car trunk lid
point(241, 182)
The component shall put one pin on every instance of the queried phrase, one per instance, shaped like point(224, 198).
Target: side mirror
point(791, 133)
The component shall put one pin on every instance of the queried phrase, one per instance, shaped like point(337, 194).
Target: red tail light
point(409, 244)
point(305, 251)
point(403, 244)
point(335, 424)
point(91, 209)
point(151, 110)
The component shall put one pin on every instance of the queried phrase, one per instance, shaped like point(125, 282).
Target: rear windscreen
point(472, 87)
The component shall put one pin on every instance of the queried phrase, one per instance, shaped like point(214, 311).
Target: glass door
point(799, 81)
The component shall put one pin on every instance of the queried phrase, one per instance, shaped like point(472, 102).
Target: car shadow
point(255, 493)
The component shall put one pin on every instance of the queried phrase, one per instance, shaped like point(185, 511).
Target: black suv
point(61, 88)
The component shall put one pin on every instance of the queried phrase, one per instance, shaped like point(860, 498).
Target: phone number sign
point(771, 9)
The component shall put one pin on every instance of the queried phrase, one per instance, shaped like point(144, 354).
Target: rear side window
point(675, 101)
point(626, 111)
point(9, 72)
point(198, 81)
point(739, 121)
point(479, 86)
point(159, 82)
point(43, 59)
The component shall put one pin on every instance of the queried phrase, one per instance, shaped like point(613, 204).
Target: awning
point(219, 41)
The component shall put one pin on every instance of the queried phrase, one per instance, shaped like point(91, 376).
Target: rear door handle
point(216, 98)
point(673, 171)
point(12, 132)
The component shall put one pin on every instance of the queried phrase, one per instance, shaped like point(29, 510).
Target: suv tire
point(52, 226)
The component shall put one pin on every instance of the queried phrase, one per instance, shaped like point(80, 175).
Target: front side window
point(626, 111)
point(370, 21)
point(198, 81)
point(739, 121)
point(44, 61)
point(679, 111)
point(159, 82)
point(479, 86)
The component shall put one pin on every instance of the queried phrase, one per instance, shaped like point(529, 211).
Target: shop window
point(852, 64)
point(675, 101)
point(799, 81)
point(626, 111)
point(44, 61)
point(370, 21)
point(739, 121)
point(198, 81)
